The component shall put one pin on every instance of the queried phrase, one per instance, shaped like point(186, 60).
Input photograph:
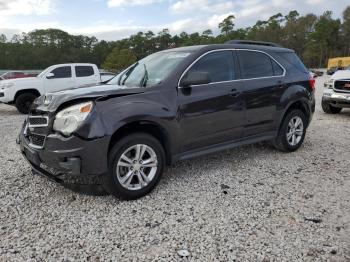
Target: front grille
point(342, 85)
point(38, 121)
point(37, 140)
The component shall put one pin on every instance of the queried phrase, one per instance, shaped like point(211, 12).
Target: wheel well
point(32, 91)
point(145, 127)
point(301, 106)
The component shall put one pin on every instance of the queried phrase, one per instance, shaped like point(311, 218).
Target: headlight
point(5, 86)
point(329, 83)
point(69, 119)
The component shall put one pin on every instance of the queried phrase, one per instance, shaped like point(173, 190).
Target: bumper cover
point(337, 99)
point(73, 162)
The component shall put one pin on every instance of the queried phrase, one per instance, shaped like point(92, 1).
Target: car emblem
point(347, 85)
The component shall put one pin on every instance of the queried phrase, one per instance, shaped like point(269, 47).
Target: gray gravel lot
point(251, 203)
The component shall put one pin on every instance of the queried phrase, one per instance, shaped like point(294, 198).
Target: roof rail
point(249, 42)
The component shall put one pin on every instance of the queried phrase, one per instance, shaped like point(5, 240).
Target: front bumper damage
point(73, 162)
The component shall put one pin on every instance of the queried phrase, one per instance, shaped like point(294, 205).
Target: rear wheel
point(136, 164)
point(24, 101)
point(329, 109)
point(292, 132)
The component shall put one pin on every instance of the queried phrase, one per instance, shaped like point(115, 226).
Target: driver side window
point(219, 65)
point(62, 72)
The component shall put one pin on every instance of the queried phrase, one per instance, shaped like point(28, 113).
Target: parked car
point(332, 70)
point(336, 94)
point(15, 75)
point(22, 92)
point(316, 72)
point(172, 105)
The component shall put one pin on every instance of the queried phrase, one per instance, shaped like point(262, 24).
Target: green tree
point(345, 27)
point(3, 38)
point(119, 60)
point(226, 26)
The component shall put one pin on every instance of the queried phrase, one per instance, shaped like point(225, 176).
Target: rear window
point(255, 64)
point(292, 59)
point(83, 71)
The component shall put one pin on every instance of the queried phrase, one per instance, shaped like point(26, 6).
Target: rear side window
point(255, 64)
point(218, 64)
point(277, 69)
point(62, 72)
point(292, 59)
point(83, 71)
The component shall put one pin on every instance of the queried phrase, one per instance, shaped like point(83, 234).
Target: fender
point(293, 94)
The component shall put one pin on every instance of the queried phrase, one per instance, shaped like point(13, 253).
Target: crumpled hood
point(341, 74)
point(51, 101)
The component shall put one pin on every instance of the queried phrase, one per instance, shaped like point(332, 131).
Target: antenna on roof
point(249, 42)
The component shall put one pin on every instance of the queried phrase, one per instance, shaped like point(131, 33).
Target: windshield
point(151, 70)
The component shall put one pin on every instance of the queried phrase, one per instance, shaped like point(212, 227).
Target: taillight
point(312, 83)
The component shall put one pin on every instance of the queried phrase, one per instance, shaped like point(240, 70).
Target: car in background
point(336, 94)
point(316, 72)
point(332, 70)
point(22, 92)
point(15, 75)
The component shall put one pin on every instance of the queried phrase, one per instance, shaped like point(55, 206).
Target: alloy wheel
point(136, 167)
point(295, 131)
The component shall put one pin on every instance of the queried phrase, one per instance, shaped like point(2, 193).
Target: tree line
point(314, 38)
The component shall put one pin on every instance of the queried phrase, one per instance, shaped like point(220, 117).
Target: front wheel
point(136, 163)
point(24, 101)
point(329, 109)
point(292, 132)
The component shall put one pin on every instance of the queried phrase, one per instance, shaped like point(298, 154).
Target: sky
point(117, 19)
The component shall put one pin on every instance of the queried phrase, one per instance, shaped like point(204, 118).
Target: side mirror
point(195, 78)
point(50, 75)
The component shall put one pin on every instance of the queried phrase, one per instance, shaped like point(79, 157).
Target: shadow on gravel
point(9, 112)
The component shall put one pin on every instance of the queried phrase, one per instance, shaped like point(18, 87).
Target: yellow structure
point(338, 62)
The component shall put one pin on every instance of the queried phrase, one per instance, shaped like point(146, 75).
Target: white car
point(22, 92)
point(336, 94)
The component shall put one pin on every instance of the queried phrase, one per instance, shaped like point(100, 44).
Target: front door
point(60, 79)
point(212, 113)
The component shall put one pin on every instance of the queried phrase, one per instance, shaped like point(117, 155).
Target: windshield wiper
point(143, 82)
point(127, 74)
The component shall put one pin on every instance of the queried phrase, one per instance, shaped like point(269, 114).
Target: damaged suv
point(172, 105)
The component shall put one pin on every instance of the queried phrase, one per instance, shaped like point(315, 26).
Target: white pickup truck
point(336, 93)
point(22, 92)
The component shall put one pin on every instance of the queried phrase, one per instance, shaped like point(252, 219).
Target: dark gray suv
point(170, 106)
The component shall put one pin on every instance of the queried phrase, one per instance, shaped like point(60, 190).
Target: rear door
point(212, 113)
point(263, 85)
point(86, 75)
point(62, 79)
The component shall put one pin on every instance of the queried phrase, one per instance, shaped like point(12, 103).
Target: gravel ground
point(251, 203)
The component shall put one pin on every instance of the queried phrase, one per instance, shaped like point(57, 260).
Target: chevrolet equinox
point(172, 105)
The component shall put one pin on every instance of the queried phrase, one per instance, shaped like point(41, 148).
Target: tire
point(284, 140)
point(329, 109)
point(24, 101)
point(123, 177)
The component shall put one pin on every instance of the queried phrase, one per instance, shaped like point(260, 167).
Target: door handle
point(234, 93)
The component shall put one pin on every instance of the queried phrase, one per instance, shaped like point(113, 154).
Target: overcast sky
point(115, 19)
